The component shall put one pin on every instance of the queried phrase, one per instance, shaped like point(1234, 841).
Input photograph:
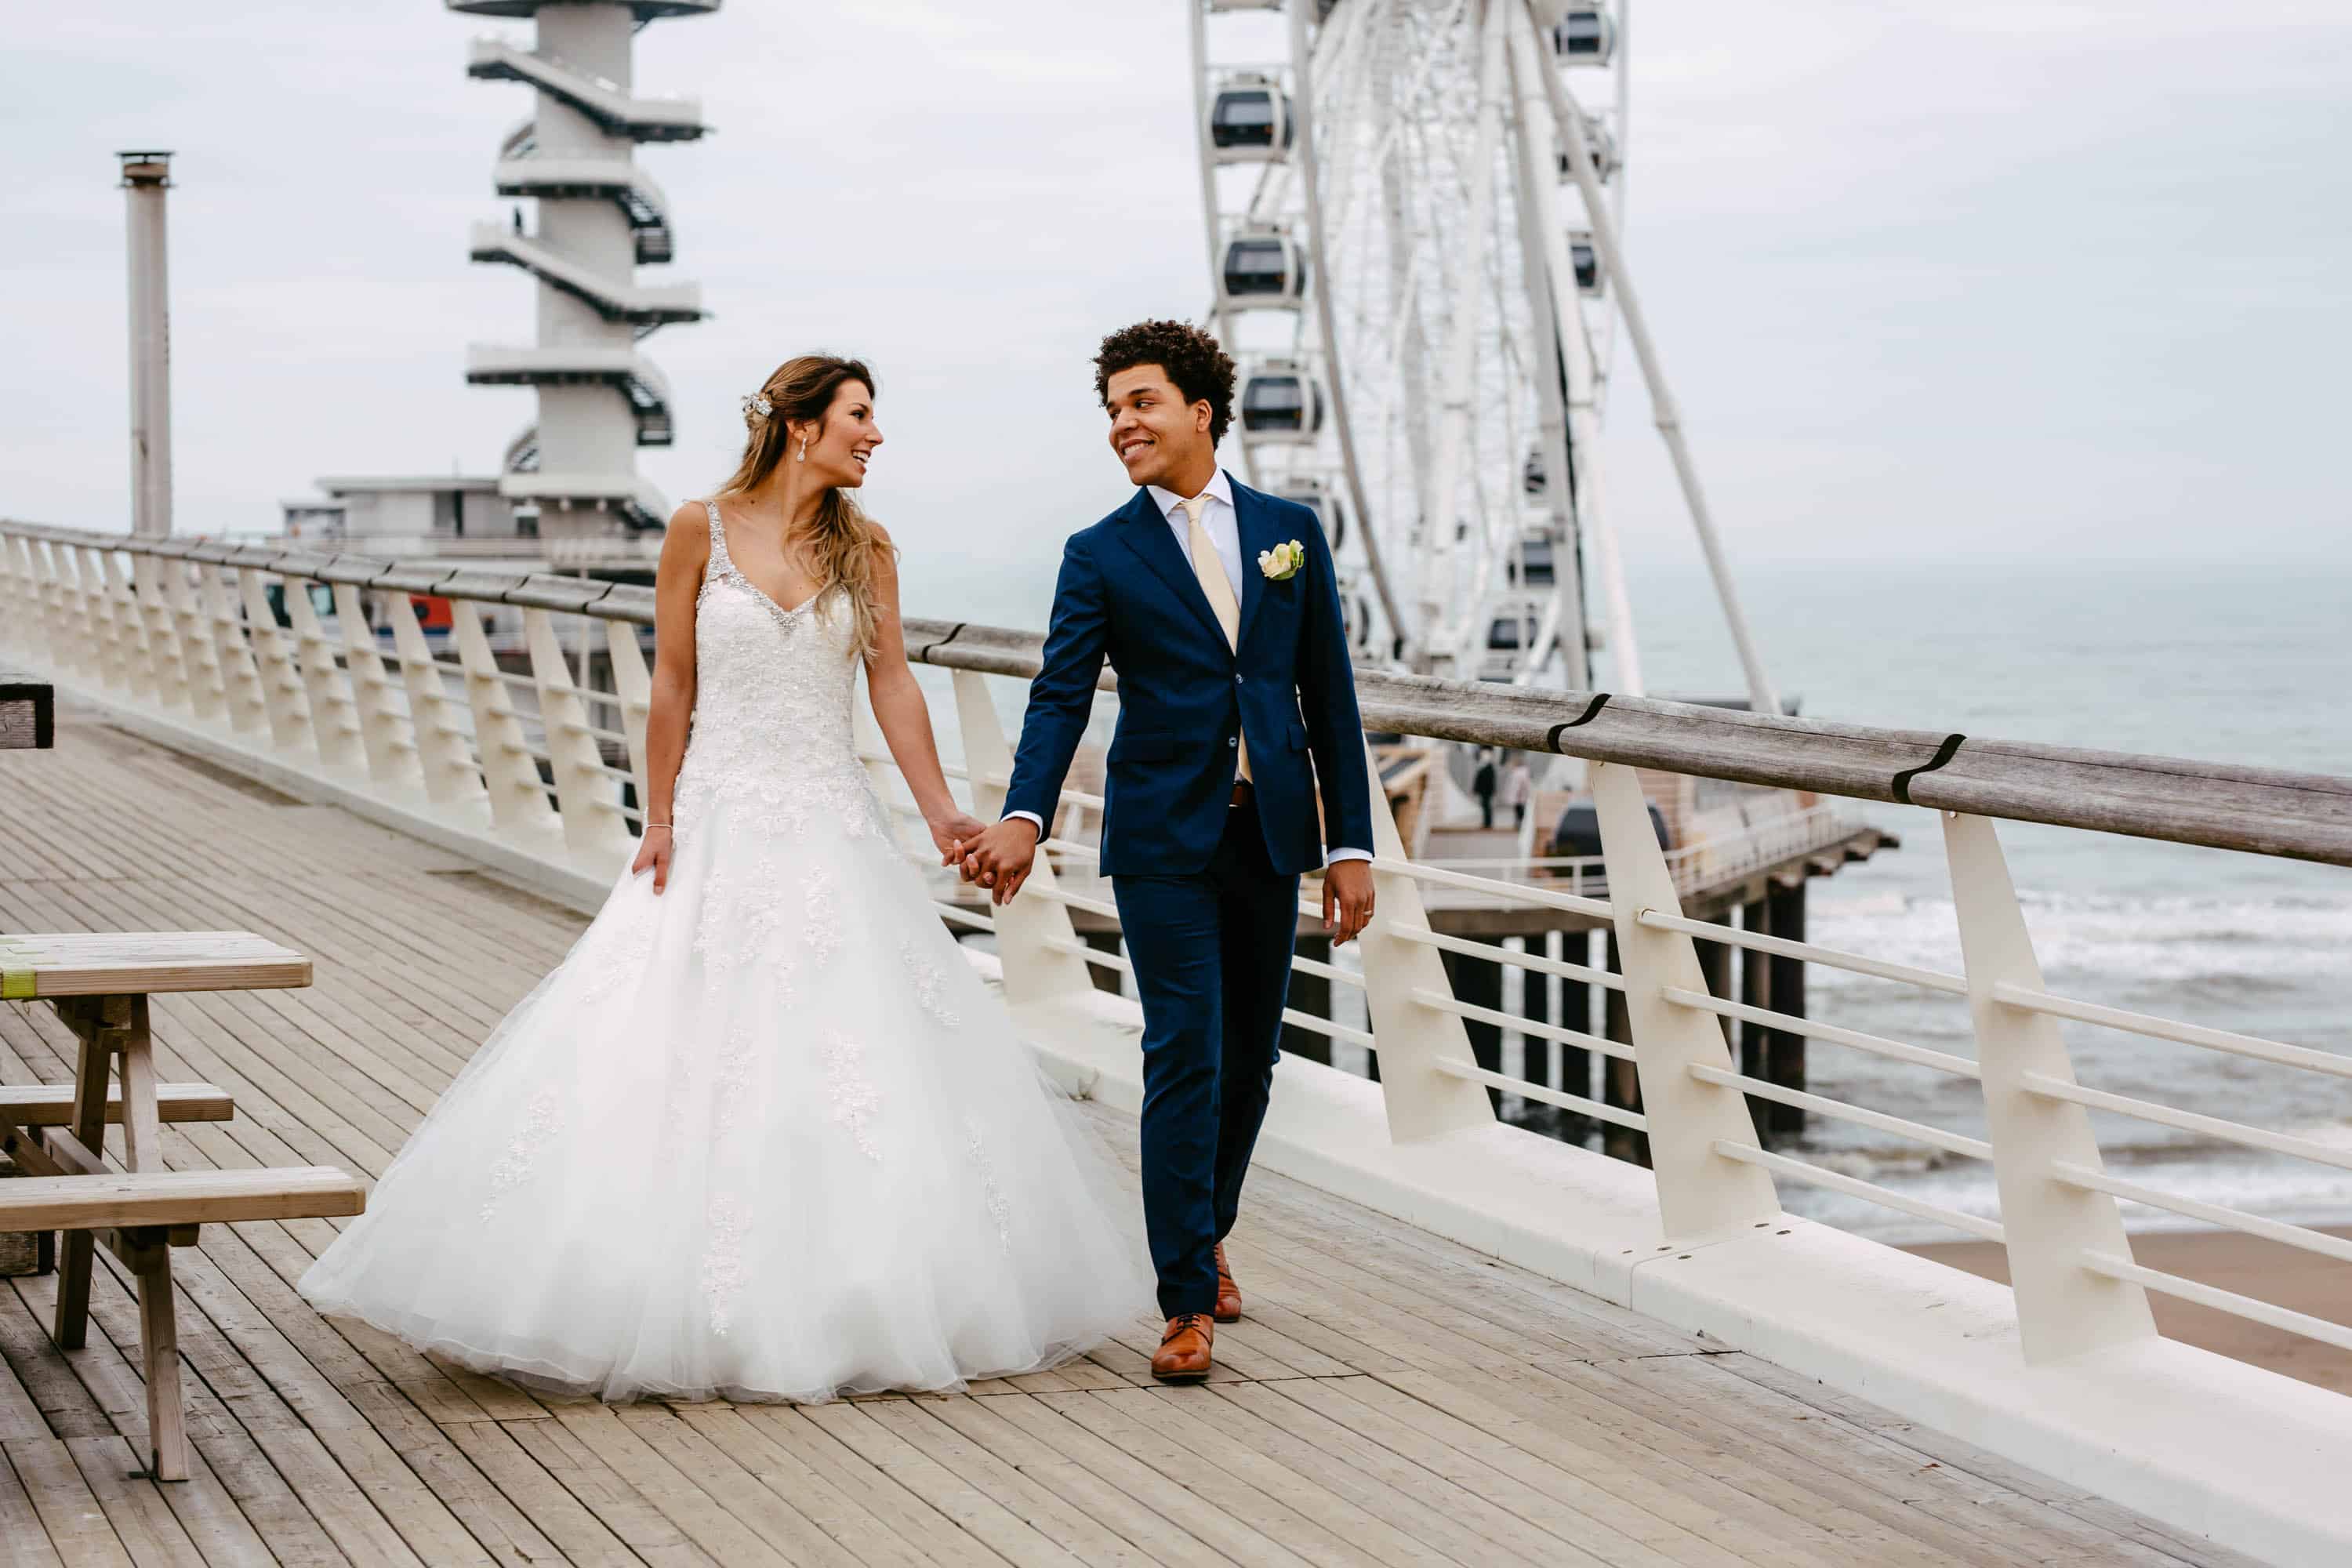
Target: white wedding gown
point(764, 1135)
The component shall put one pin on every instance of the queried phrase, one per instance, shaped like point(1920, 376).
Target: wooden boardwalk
point(1394, 1399)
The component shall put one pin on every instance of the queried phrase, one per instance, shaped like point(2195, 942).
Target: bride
point(761, 1134)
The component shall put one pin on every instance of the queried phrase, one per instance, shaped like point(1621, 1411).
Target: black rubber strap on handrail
point(1592, 709)
point(929, 648)
point(1901, 787)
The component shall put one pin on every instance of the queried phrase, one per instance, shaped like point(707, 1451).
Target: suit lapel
point(1254, 522)
point(1148, 534)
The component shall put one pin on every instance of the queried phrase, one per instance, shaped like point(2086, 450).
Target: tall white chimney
point(145, 177)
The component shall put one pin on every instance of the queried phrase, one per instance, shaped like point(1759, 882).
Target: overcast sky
point(1933, 279)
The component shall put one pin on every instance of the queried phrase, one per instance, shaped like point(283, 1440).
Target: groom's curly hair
point(1203, 372)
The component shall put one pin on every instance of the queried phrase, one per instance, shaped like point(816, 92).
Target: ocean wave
point(2228, 951)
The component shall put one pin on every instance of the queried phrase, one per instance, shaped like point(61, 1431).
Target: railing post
point(518, 799)
point(98, 615)
point(450, 775)
point(584, 794)
point(385, 733)
point(78, 611)
point(199, 657)
point(151, 594)
point(282, 684)
point(1410, 1036)
point(32, 628)
point(248, 702)
point(1699, 1191)
point(632, 684)
point(2062, 1308)
point(334, 715)
point(137, 659)
point(1026, 929)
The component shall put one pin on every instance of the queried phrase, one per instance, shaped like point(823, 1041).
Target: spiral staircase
point(599, 216)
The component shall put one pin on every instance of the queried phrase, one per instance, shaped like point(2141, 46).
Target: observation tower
point(599, 216)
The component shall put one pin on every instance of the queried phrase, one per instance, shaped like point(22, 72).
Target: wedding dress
point(762, 1135)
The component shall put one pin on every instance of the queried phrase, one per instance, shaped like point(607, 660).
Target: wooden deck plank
point(1361, 1414)
point(143, 1521)
point(974, 1509)
point(868, 1536)
point(701, 1517)
point(630, 1517)
point(79, 1532)
point(1221, 1530)
point(1158, 1535)
point(24, 1538)
point(919, 1425)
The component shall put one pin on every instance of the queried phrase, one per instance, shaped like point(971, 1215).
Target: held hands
point(998, 858)
point(1347, 899)
point(953, 830)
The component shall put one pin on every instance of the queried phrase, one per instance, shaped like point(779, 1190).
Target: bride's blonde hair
point(843, 540)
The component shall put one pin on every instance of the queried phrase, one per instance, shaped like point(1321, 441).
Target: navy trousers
point(1211, 956)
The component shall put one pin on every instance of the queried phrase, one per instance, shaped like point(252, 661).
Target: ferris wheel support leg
point(1462, 341)
point(1557, 315)
point(1570, 119)
point(1310, 182)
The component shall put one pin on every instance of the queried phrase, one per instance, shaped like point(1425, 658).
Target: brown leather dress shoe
point(1229, 1295)
point(1184, 1355)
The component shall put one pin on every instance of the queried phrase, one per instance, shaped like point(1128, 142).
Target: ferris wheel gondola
point(1412, 238)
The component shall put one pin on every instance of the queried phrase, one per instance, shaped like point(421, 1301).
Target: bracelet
point(657, 825)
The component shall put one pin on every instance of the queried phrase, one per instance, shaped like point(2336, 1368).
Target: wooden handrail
point(2261, 811)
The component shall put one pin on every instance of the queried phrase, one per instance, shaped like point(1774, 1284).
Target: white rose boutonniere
point(1281, 562)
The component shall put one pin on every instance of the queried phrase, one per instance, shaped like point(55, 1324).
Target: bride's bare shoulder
point(686, 546)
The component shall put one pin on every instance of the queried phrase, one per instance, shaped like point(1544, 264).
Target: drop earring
point(803, 456)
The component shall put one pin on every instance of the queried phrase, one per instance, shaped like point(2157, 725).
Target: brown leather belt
point(1242, 792)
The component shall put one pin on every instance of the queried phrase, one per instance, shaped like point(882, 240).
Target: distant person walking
point(1482, 785)
point(1519, 789)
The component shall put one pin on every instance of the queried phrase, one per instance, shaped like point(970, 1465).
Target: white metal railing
point(183, 629)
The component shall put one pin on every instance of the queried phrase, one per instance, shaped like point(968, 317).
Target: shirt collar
point(1219, 488)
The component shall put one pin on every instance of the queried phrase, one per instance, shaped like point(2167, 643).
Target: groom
point(1218, 608)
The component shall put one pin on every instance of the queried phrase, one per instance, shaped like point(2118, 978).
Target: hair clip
point(758, 403)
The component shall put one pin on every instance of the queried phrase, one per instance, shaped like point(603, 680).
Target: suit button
point(1237, 681)
point(1233, 740)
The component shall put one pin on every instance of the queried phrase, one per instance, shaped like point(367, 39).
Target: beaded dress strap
point(720, 560)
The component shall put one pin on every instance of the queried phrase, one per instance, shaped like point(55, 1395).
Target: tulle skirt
point(765, 1135)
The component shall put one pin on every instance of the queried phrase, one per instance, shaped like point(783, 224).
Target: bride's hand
point(653, 850)
point(948, 832)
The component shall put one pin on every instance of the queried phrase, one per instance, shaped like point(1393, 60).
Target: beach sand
point(2227, 1260)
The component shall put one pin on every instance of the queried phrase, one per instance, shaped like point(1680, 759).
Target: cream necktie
point(1210, 568)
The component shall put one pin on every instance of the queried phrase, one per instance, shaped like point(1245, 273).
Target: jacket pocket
point(1148, 747)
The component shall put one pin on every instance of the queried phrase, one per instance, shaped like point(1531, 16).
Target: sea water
point(2240, 663)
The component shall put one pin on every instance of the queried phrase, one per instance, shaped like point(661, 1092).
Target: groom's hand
point(1347, 899)
point(1000, 858)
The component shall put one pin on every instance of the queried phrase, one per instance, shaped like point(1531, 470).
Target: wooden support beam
point(51, 1104)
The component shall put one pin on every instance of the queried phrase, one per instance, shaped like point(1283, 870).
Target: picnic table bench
point(98, 983)
point(27, 712)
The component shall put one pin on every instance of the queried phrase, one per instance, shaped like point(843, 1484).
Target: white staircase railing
point(537, 767)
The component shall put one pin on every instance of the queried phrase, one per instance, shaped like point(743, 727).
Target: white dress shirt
point(1218, 521)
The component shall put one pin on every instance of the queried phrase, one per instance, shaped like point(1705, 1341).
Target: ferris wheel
point(1422, 274)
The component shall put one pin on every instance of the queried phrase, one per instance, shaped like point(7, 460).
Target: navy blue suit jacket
point(1128, 594)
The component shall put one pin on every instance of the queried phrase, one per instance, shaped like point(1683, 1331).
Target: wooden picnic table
point(27, 712)
point(100, 984)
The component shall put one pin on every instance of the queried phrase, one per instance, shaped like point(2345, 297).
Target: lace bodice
point(771, 728)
